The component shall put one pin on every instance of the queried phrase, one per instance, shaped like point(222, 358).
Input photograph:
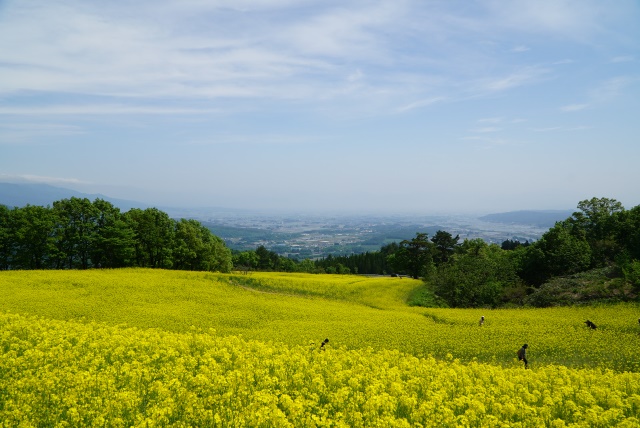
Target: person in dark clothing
point(591, 325)
point(522, 355)
point(324, 342)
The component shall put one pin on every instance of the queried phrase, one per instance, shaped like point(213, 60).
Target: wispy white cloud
point(76, 49)
point(280, 50)
point(623, 58)
point(486, 130)
point(548, 129)
point(19, 132)
point(488, 143)
point(604, 92)
point(574, 107)
point(344, 32)
point(102, 109)
point(261, 139)
point(580, 20)
point(234, 54)
point(111, 52)
point(490, 120)
point(500, 119)
point(355, 76)
point(521, 77)
point(561, 128)
point(31, 178)
point(564, 61)
point(419, 104)
point(613, 88)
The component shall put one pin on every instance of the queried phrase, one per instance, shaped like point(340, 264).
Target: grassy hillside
point(145, 348)
point(297, 309)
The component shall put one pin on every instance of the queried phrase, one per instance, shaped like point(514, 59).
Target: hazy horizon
point(324, 106)
point(202, 208)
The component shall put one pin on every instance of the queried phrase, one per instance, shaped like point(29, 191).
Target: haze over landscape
point(349, 106)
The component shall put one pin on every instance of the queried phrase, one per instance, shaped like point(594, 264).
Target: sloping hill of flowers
point(63, 373)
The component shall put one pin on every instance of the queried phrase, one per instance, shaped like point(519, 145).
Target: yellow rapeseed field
point(137, 347)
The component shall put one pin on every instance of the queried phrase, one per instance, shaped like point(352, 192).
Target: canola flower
point(181, 361)
point(63, 373)
point(354, 311)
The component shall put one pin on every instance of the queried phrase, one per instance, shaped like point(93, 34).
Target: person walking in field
point(324, 342)
point(522, 355)
point(591, 325)
point(481, 322)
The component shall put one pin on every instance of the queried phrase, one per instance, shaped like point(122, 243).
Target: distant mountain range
point(21, 194)
point(542, 218)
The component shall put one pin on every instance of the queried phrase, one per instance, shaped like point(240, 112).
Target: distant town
point(306, 236)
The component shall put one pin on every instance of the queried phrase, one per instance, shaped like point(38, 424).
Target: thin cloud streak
point(624, 58)
point(486, 130)
point(420, 104)
point(19, 132)
point(525, 76)
point(102, 110)
point(490, 120)
point(613, 88)
point(561, 128)
point(30, 178)
point(574, 107)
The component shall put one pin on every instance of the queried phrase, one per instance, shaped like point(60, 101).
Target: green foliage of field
point(354, 312)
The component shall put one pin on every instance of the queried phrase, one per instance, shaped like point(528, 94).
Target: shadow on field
point(438, 320)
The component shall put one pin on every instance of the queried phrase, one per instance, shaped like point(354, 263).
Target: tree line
point(76, 233)
point(475, 273)
point(262, 259)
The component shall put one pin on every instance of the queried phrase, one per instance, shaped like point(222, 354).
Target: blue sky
point(344, 106)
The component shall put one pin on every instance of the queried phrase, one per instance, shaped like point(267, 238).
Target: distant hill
point(542, 218)
point(21, 194)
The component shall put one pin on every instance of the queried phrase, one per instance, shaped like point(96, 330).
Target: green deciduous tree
point(153, 232)
point(267, 260)
point(445, 246)
point(565, 251)
point(76, 224)
point(597, 218)
point(628, 232)
point(415, 256)
point(114, 243)
point(307, 266)
point(477, 275)
point(78, 234)
point(6, 240)
point(562, 250)
point(196, 248)
point(288, 265)
point(33, 228)
point(245, 261)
